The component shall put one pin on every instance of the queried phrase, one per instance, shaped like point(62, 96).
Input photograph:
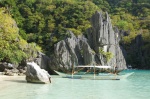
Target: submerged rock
point(35, 74)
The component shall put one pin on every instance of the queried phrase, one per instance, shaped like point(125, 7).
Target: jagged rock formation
point(35, 74)
point(73, 51)
point(79, 50)
point(102, 35)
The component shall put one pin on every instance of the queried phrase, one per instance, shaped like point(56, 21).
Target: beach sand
point(10, 86)
point(7, 81)
point(4, 78)
point(11, 79)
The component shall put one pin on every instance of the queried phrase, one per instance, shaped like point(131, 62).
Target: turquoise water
point(137, 86)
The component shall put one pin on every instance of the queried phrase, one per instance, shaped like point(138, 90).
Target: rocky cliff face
point(102, 35)
point(75, 51)
point(72, 51)
point(138, 54)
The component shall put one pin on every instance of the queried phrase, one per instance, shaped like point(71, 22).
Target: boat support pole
point(72, 73)
point(72, 70)
point(94, 71)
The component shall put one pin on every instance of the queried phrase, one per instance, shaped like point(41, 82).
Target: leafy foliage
point(12, 47)
point(41, 20)
point(107, 55)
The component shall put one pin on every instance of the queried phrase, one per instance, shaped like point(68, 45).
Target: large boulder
point(35, 74)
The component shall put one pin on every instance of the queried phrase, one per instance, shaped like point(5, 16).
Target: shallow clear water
point(137, 86)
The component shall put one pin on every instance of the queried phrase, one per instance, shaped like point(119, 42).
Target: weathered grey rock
point(9, 69)
point(14, 72)
point(8, 72)
point(42, 60)
point(102, 35)
point(72, 51)
point(2, 66)
point(79, 50)
point(88, 54)
point(35, 74)
point(6, 65)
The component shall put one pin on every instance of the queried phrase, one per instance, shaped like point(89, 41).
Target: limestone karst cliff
point(102, 35)
point(74, 51)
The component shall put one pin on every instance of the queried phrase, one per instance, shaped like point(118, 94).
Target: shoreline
point(6, 78)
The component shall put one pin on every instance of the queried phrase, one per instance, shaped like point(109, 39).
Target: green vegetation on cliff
point(133, 17)
point(107, 55)
point(45, 21)
point(12, 47)
point(11, 44)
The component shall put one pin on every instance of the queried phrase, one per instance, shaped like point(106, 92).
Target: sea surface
point(137, 86)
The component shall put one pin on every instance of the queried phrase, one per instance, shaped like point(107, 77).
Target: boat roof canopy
point(96, 66)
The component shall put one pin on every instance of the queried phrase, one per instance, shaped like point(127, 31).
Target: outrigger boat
point(94, 76)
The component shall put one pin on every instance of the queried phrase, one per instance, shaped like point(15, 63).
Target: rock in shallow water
point(35, 74)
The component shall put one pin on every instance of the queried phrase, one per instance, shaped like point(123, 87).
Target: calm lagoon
point(137, 86)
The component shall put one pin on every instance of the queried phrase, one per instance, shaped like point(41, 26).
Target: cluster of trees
point(45, 21)
point(133, 16)
point(13, 48)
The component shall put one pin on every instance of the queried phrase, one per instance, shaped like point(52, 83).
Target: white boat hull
point(95, 77)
